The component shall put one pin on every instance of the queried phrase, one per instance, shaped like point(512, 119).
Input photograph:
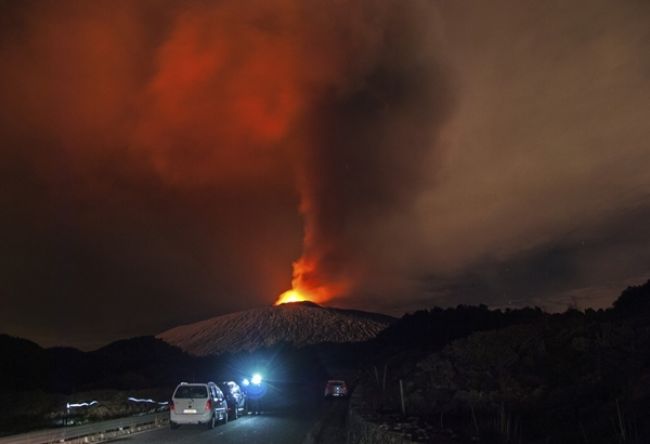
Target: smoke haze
point(163, 162)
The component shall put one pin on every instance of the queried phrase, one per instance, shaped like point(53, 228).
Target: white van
point(198, 403)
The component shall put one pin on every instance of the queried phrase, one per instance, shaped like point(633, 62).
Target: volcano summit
point(299, 323)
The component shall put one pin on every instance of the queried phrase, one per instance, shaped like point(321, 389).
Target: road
point(323, 422)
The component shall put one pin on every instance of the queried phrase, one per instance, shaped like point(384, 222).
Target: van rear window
point(191, 391)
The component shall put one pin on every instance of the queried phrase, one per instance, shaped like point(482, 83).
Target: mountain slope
point(299, 324)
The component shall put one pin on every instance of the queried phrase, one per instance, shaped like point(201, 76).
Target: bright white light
point(81, 404)
point(256, 379)
point(245, 381)
point(149, 401)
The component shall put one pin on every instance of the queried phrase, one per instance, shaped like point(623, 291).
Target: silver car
point(198, 403)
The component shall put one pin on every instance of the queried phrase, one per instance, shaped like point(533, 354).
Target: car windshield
point(191, 391)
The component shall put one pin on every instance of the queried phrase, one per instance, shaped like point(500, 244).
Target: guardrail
point(96, 432)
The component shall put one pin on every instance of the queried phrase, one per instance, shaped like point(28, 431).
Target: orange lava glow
point(308, 286)
point(291, 296)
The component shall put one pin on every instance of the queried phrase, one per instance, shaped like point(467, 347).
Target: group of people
point(254, 390)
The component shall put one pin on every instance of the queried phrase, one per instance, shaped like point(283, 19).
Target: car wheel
point(173, 425)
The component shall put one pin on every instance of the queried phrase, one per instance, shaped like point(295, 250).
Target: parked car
point(336, 388)
point(235, 397)
point(198, 403)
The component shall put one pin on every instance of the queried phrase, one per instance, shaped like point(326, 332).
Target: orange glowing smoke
point(205, 96)
point(306, 286)
point(223, 97)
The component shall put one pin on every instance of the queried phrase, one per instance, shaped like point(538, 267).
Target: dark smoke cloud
point(542, 194)
point(583, 268)
point(371, 149)
point(162, 162)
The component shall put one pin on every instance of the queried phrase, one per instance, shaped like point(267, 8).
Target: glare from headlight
point(81, 404)
point(256, 379)
point(245, 381)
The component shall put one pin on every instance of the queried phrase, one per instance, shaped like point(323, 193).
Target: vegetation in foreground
point(538, 378)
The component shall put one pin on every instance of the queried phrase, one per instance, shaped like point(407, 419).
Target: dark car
point(336, 388)
point(235, 397)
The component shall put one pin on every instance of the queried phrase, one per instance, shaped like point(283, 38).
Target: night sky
point(163, 162)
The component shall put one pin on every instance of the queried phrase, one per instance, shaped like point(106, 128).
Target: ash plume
point(183, 154)
point(371, 144)
point(171, 143)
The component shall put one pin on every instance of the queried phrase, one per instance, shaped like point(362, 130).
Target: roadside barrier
point(89, 433)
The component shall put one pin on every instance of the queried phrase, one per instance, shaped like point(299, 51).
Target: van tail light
point(172, 407)
point(208, 405)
